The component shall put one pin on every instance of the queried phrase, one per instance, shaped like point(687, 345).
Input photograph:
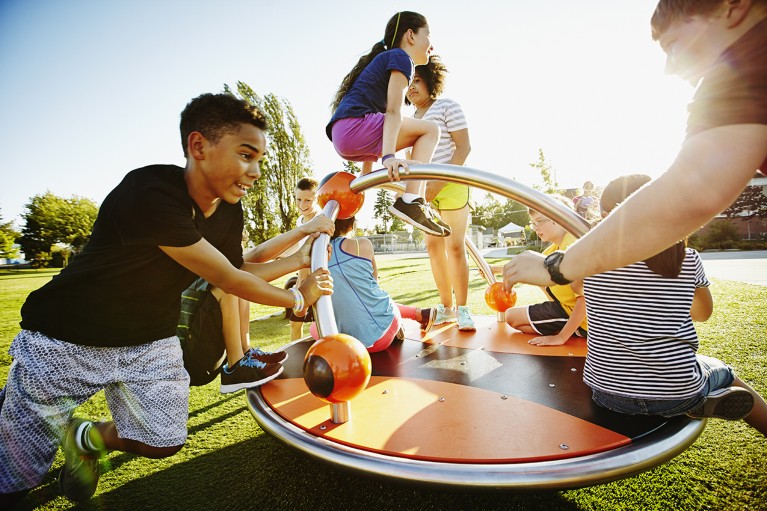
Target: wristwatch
point(551, 263)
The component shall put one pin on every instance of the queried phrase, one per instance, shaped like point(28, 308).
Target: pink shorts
point(359, 138)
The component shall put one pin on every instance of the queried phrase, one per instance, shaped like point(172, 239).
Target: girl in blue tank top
point(362, 309)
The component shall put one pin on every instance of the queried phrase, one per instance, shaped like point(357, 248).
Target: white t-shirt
point(450, 117)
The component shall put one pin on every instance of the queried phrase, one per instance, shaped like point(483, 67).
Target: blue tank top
point(362, 309)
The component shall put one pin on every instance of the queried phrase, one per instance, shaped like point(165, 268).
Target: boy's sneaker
point(731, 403)
point(249, 372)
point(416, 214)
point(267, 357)
point(444, 315)
point(427, 318)
point(465, 322)
point(79, 477)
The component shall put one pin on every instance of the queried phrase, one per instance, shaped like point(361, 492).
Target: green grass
point(229, 462)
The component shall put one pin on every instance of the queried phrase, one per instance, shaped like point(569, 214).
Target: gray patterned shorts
point(146, 389)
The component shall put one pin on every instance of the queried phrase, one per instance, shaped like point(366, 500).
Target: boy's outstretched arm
point(204, 260)
point(711, 170)
point(273, 247)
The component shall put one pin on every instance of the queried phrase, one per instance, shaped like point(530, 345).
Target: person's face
point(418, 92)
point(232, 165)
point(545, 228)
point(305, 200)
point(422, 46)
point(691, 46)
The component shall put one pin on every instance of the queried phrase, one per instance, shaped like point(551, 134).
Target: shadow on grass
point(264, 474)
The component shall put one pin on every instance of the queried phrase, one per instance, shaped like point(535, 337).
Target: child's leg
point(423, 137)
point(758, 416)
point(435, 247)
point(450, 261)
point(245, 324)
point(517, 318)
point(231, 326)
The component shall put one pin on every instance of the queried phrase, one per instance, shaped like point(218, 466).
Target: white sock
point(408, 198)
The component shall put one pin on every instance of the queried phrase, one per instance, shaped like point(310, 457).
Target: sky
point(91, 89)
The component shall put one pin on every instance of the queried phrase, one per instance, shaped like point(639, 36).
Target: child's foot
point(434, 216)
point(427, 319)
point(248, 372)
point(400, 335)
point(731, 403)
point(416, 214)
point(79, 477)
point(465, 322)
point(444, 315)
point(267, 357)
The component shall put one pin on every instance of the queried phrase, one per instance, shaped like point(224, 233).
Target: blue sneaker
point(444, 315)
point(248, 372)
point(465, 323)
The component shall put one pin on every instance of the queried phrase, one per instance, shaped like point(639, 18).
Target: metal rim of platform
point(643, 454)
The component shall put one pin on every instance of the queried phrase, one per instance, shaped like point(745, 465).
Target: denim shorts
point(359, 138)
point(716, 375)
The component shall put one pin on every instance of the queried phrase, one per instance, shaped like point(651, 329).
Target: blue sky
point(90, 89)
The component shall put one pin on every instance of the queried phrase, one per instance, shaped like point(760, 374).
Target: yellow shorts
point(453, 196)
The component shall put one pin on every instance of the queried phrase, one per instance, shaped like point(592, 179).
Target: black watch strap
point(552, 263)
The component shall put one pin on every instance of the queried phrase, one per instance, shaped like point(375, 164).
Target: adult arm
point(711, 170)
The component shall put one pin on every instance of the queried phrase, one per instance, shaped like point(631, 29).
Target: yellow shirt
point(564, 294)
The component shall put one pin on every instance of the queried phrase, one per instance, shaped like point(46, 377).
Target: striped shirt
point(449, 115)
point(642, 341)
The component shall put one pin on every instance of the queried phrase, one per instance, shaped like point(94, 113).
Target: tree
point(50, 219)
point(269, 206)
point(8, 236)
point(381, 210)
point(494, 214)
point(351, 167)
point(720, 234)
point(752, 203)
point(548, 175)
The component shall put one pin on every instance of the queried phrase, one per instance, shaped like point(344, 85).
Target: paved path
point(748, 266)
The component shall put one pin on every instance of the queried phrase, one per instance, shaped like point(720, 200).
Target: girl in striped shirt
point(642, 343)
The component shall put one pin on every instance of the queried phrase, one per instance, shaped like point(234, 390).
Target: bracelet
point(298, 299)
point(386, 157)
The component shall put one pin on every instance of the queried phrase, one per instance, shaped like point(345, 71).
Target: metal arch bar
point(323, 307)
point(493, 183)
point(644, 454)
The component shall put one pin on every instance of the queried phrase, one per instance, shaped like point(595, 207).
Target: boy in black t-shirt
point(108, 320)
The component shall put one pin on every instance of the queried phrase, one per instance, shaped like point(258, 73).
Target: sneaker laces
point(252, 362)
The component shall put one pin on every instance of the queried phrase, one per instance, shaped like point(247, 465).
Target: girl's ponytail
point(349, 79)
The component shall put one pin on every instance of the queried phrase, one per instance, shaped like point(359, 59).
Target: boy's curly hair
point(216, 115)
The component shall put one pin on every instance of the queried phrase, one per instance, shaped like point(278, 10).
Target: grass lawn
point(229, 462)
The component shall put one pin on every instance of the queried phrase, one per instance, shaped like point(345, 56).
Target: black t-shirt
point(122, 290)
point(734, 91)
